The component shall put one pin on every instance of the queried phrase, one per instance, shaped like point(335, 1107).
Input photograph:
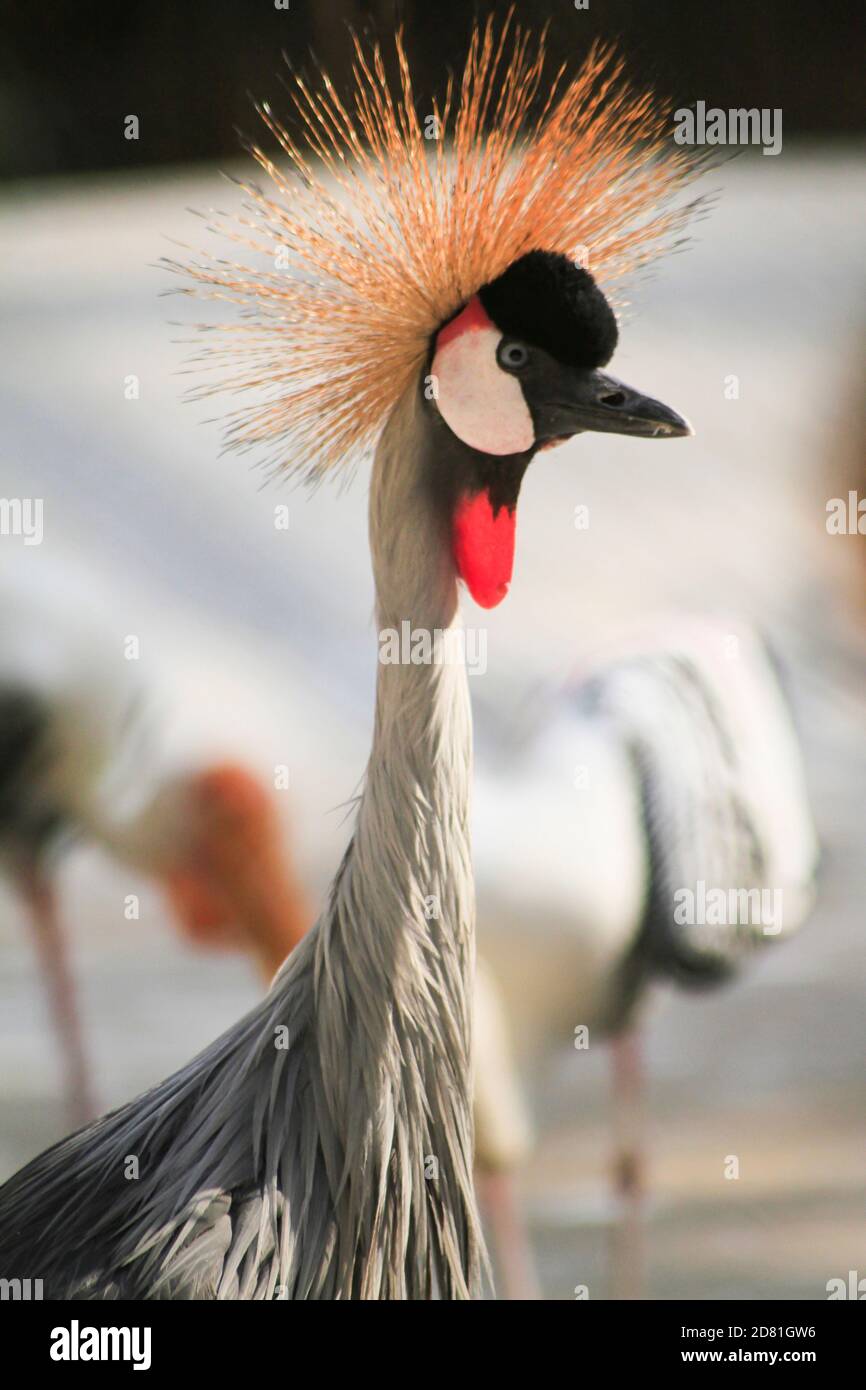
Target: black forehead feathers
point(551, 303)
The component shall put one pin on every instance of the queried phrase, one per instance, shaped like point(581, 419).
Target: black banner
point(84, 1339)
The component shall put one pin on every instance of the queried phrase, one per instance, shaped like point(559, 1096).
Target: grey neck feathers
point(339, 1165)
point(395, 952)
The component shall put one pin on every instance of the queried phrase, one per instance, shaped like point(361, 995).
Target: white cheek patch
point(483, 405)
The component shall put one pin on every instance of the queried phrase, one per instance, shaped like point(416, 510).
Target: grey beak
point(592, 400)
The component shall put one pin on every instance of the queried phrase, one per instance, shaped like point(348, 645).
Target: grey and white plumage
point(689, 770)
point(339, 1164)
point(673, 763)
point(723, 793)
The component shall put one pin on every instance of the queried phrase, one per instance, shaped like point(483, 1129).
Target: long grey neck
point(405, 891)
point(420, 766)
point(395, 948)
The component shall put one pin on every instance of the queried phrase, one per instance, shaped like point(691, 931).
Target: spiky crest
point(377, 234)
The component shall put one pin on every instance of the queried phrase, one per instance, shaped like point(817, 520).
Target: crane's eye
point(511, 355)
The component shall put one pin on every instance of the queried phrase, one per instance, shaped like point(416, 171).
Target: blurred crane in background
point(667, 780)
point(80, 758)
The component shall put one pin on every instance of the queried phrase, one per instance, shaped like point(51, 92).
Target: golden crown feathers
point(384, 222)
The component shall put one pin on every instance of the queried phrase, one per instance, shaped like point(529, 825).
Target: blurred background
point(255, 641)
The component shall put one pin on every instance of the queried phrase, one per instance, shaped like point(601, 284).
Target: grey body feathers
point(322, 1148)
point(724, 801)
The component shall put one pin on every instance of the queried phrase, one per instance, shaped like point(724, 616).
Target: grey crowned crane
point(81, 758)
point(422, 302)
point(665, 835)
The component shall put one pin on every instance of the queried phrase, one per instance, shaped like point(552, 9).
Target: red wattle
point(483, 547)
